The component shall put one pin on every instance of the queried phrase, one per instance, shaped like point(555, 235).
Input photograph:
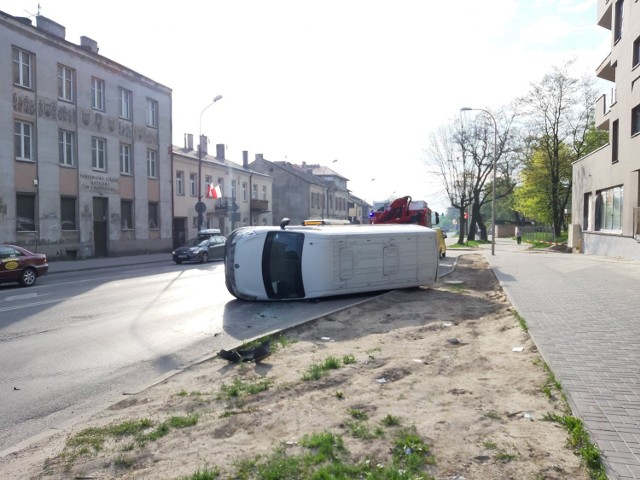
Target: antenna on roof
point(38, 8)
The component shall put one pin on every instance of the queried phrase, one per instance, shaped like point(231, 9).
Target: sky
point(356, 85)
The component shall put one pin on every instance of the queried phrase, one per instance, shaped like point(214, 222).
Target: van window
point(281, 264)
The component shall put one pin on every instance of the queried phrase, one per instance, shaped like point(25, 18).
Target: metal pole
point(199, 210)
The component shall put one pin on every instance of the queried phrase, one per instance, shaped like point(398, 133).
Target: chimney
point(203, 145)
point(245, 159)
point(89, 44)
point(259, 157)
point(220, 151)
point(50, 27)
point(188, 141)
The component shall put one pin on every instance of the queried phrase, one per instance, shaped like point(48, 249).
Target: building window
point(68, 213)
point(66, 148)
point(617, 30)
point(636, 53)
point(208, 180)
point(66, 83)
point(126, 214)
point(125, 158)
point(152, 113)
point(615, 134)
point(635, 120)
point(233, 189)
point(193, 182)
point(152, 167)
point(264, 192)
point(153, 215)
point(179, 183)
point(97, 93)
point(124, 98)
point(25, 212)
point(98, 153)
point(254, 192)
point(22, 62)
point(609, 209)
point(23, 140)
point(244, 191)
point(586, 212)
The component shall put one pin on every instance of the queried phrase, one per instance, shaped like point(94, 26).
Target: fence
point(539, 233)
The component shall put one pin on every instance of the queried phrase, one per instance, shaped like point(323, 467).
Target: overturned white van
point(298, 262)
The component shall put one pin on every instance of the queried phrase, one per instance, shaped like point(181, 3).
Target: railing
point(224, 203)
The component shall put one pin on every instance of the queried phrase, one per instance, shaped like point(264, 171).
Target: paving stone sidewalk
point(583, 313)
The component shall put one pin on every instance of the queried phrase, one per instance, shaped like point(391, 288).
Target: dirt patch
point(440, 361)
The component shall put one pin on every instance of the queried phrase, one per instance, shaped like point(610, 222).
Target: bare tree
point(462, 154)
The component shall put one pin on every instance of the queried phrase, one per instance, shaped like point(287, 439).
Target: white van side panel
point(369, 262)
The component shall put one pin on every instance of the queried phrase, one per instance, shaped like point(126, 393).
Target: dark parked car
point(200, 250)
point(18, 264)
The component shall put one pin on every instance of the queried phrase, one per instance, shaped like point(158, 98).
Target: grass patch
point(348, 359)
point(521, 321)
point(391, 421)
point(204, 474)
point(581, 444)
point(358, 414)
point(489, 445)
point(324, 457)
point(339, 395)
point(505, 457)
point(240, 387)
point(93, 438)
point(318, 370)
point(551, 385)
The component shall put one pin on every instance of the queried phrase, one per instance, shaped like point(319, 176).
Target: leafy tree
point(560, 114)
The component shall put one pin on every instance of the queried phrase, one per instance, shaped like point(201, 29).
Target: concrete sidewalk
point(583, 314)
point(62, 266)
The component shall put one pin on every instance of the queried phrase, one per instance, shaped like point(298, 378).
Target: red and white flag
point(214, 192)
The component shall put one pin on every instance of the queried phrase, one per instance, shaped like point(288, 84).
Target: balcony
point(602, 113)
point(605, 13)
point(607, 69)
point(259, 206)
point(224, 204)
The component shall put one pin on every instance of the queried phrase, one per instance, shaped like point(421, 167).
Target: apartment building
point(606, 183)
point(245, 194)
point(84, 147)
point(297, 193)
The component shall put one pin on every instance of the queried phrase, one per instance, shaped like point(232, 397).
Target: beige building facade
point(246, 195)
point(606, 193)
point(84, 147)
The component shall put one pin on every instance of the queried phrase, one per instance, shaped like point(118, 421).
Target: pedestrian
point(518, 234)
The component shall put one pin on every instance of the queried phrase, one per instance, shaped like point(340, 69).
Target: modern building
point(299, 194)
point(84, 147)
point(606, 183)
point(244, 195)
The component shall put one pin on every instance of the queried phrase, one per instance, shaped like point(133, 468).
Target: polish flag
point(214, 192)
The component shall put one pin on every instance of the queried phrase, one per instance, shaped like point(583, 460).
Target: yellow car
point(440, 235)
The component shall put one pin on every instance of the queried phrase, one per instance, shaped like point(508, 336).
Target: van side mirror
point(285, 221)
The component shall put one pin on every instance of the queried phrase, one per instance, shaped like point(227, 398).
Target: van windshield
point(282, 264)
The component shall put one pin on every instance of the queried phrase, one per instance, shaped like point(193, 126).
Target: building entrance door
point(100, 232)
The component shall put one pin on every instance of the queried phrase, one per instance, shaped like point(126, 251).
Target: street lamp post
point(200, 206)
point(495, 162)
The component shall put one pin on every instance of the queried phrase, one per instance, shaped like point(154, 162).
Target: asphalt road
point(78, 342)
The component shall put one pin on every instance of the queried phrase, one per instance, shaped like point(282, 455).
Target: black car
point(18, 264)
point(200, 250)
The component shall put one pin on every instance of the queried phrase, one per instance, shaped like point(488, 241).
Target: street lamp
point(495, 160)
point(200, 206)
